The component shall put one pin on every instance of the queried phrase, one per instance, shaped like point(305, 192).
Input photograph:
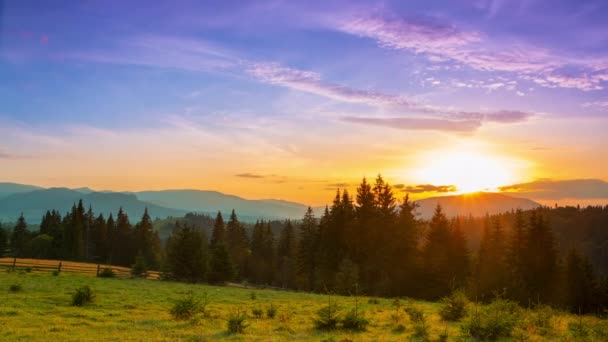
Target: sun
point(469, 170)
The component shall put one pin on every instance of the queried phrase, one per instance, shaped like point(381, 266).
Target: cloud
point(338, 185)
point(440, 42)
point(429, 124)
point(560, 189)
point(249, 175)
point(602, 105)
point(416, 189)
point(311, 82)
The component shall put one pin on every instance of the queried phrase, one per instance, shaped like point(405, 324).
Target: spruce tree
point(306, 259)
point(20, 238)
point(581, 285)
point(124, 249)
point(286, 256)
point(221, 268)
point(436, 256)
point(187, 254)
point(146, 241)
point(237, 244)
point(100, 239)
point(219, 230)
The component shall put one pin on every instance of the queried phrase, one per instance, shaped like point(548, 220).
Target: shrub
point(107, 273)
point(421, 330)
point(580, 329)
point(257, 313)
point(416, 314)
point(139, 269)
point(82, 296)
point(186, 307)
point(543, 319)
point(453, 308)
point(374, 301)
point(253, 296)
point(15, 288)
point(56, 273)
point(271, 312)
point(28, 269)
point(355, 320)
point(328, 317)
point(493, 321)
point(237, 323)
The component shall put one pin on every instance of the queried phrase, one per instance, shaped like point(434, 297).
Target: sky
point(294, 99)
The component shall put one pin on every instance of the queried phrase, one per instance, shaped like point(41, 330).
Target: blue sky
point(305, 94)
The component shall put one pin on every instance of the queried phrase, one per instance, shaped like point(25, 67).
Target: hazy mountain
point(35, 203)
point(212, 201)
point(7, 189)
point(476, 204)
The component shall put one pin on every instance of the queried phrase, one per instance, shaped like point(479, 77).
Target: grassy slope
point(134, 309)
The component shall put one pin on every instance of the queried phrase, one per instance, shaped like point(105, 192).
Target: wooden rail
point(90, 269)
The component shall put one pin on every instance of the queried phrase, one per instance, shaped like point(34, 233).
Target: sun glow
point(468, 170)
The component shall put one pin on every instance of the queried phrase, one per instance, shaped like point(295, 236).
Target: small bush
point(107, 273)
point(374, 301)
point(454, 307)
point(139, 269)
point(257, 313)
point(328, 317)
point(15, 288)
point(82, 296)
point(28, 269)
point(580, 329)
point(421, 330)
point(237, 323)
point(271, 312)
point(56, 273)
point(355, 320)
point(415, 313)
point(186, 307)
point(253, 296)
point(399, 329)
point(543, 319)
point(493, 321)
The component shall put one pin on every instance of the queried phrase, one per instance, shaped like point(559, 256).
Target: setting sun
point(467, 170)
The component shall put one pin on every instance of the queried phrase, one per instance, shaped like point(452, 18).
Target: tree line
point(369, 240)
point(80, 235)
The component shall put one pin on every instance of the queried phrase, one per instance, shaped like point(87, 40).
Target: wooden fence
point(90, 269)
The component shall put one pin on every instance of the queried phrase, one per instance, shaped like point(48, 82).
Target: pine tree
point(286, 255)
point(219, 230)
point(20, 238)
point(187, 254)
point(101, 239)
point(516, 257)
point(221, 268)
point(541, 257)
point(146, 241)
point(403, 251)
point(437, 263)
point(262, 254)
point(581, 285)
point(491, 270)
point(306, 260)
point(459, 255)
point(237, 244)
point(112, 239)
point(124, 248)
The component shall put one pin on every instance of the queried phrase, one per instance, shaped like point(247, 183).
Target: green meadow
point(139, 310)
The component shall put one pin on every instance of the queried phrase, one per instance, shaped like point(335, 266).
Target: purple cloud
point(559, 189)
point(429, 124)
point(441, 42)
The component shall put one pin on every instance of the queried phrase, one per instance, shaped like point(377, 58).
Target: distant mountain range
point(34, 201)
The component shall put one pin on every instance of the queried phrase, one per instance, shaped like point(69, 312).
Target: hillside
point(213, 201)
point(7, 189)
point(35, 203)
point(475, 204)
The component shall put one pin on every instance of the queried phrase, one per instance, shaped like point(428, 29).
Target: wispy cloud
point(429, 124)
point(416, 189)
point(602, 105)
point(250, 175)
point(442, 42)
point(560, 189)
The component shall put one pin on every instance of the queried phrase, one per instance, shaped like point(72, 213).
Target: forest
point(370, 242)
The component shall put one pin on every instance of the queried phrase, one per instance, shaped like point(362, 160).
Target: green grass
point(138, 310)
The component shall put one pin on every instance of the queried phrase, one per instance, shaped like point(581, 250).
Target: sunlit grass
point(137, 309)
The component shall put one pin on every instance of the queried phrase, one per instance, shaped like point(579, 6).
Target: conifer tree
point(237, 244)
point(124, 249)
point(436, 257)
point(581, 285)
point(146, 241)
point(307, 262)
point(262, 254)
point(221, 268)
point(516, 257)
point(541, 257)
point(459, 255)
point(286, 256)
point(219, 230)
point(187, 254)
point(20, 238)
point(101, 239)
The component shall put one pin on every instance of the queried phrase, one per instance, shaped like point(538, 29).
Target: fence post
point(59, 267)
point(14, 262)
point(97, 270)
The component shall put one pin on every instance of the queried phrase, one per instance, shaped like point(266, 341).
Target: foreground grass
point(138, 309)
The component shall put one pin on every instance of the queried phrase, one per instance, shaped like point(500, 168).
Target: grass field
point(138, 310)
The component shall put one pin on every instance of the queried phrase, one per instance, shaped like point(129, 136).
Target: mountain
point(475, 204)
point(213, 201)
point(34, 204)
point(7, 189)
